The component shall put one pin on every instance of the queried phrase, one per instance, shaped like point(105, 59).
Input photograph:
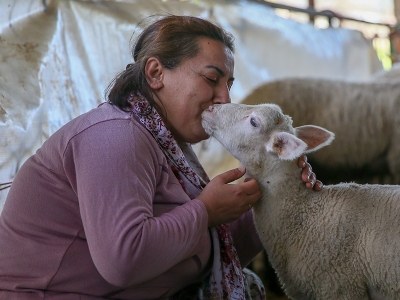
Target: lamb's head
point(260, 130)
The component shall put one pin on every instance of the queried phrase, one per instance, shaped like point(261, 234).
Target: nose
point(222, 95)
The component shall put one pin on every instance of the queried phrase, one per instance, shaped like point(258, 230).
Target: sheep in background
point(365, 117)
point(340, 243)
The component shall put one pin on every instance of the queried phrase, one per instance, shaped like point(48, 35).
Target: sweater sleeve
point(115, 169)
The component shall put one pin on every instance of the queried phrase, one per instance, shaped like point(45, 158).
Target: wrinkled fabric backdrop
point(57, 57)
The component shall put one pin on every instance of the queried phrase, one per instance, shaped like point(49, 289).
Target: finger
point(301, 162)
point(311, 181)
point(251, 185)
point(232, 175)
point(306, 173)
point(254, 199)
point(318, 185)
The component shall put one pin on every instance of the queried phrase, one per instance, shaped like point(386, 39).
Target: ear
point(154, 73)
point(286, 145)
point(314, 136)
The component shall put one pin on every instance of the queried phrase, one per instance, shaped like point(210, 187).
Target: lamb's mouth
point(207, 121)
point(208, 128)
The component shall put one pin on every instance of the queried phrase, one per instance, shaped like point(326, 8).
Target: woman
point(115, 204)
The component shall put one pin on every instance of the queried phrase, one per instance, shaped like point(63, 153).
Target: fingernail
point(242, 169)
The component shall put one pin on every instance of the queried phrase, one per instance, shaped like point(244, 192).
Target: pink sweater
point(97, 213)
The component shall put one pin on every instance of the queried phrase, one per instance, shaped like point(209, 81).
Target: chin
point(198, 139)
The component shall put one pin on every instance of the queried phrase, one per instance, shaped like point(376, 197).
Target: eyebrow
point(220, 72)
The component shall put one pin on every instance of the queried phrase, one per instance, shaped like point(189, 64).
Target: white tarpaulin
point(57, 57)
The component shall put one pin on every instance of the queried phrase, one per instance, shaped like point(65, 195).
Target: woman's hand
point(227, 202)
point(307, 175)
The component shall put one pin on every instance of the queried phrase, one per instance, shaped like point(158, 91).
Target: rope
point(5, 185)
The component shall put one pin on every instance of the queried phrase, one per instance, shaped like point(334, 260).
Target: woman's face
point(192, 87)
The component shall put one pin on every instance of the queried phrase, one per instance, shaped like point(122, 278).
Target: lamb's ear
point(286, 145)
point(314, 136)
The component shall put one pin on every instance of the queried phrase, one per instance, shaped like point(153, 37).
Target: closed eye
point(253, 122)
point(211, 79)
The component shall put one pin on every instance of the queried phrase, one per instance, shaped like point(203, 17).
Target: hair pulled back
point(172, 39)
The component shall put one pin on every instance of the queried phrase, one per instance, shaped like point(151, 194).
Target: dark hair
point(172, 39)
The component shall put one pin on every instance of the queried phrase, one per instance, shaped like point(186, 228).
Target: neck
point(274, 174)
point(283, 210)
point(281, 185)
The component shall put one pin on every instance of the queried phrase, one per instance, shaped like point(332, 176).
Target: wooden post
point(396, 5)
point(395, 34)
point(311, 5)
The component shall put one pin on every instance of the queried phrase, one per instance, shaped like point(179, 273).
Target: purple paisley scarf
point(226, 280)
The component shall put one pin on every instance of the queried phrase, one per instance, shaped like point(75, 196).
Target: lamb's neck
point(275, 175)
point(283, 208)
point(281, 186)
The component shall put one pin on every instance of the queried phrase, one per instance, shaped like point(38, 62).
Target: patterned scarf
point(226, 280)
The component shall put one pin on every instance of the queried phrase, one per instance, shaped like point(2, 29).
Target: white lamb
point(340, 243)
point(364, 116)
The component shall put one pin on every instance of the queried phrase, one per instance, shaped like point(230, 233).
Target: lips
point(210, 108)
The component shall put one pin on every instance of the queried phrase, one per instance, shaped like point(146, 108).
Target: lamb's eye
point(253, 122)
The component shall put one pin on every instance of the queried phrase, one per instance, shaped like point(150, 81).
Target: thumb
point(233, 174)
